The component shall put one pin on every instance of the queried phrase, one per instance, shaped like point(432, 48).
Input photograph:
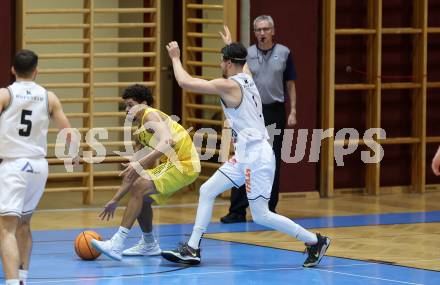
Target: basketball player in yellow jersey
point(179, 166)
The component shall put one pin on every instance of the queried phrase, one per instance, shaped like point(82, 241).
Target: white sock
point(120, 237)
point(214, 186)
point(262, 215)
point(148, 237)
point(195, 238)
point(23, 275)
point(12, 282)
point(306, 236)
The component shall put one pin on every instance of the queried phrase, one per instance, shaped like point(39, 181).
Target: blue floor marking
point(223, 263)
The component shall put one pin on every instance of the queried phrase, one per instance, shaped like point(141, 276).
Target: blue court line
point(54, 260)
point(320, 222)
point(223, 263)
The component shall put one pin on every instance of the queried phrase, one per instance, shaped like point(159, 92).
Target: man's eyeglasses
point(259, 30)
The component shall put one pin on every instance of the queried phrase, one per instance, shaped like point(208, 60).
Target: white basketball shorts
point(257, 171)
point(22, 183)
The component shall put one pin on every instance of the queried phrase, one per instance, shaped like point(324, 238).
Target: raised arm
point(226, 35)
point(228, 89)
point(227, 40)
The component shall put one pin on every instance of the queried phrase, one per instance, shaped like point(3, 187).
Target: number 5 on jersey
point(25, 121)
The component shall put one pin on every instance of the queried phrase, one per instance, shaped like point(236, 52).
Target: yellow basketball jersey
point(184, 147)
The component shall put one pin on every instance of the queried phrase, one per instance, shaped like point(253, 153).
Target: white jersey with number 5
point(24, 123)
point(246, 121)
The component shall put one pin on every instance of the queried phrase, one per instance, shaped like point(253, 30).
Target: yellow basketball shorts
point(168, 180)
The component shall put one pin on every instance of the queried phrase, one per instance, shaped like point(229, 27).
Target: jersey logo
point(246, 81)
point(234, 137)
point(27, 168)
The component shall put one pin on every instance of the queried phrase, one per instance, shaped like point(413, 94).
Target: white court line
point(367, 277)
point(154, 275)
point(191, 205)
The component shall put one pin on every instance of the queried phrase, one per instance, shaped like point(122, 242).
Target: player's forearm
point(292, 95)
point(186, 81)
point(162, 148)
point(62, 122)
point(181, 75)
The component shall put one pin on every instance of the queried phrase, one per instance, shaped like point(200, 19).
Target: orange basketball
point(83, 247)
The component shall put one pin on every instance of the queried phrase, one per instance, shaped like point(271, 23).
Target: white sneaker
point(143, 248)
point(107, 248)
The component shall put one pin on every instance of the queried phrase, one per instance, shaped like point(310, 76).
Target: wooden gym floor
point(390, 230)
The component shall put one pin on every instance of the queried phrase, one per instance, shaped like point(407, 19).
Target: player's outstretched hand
point(226, 37)
point(109, 210)
point(173, 50)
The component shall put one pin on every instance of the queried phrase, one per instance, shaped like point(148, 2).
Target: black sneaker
point(183, 254)
point(233, 218)
point(317, 251)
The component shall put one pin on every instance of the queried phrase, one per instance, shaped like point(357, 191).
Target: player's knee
point(25, 221)
point(261, 217)
point(24, 227)
point(8, 225)
point(138, 188)
point(206, 191)
point(6, 232)
point(136, 191)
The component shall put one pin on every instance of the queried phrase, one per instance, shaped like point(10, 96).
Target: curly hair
point(138, 93)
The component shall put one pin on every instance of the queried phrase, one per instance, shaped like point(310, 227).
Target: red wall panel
point(396, 119)
point(297, 27)
point(7, 40)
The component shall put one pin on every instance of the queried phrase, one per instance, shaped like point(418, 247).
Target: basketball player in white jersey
point(25, 111)
point(253, 164)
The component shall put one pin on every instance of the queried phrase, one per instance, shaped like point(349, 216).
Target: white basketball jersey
point(24, 123)
point(246, 121)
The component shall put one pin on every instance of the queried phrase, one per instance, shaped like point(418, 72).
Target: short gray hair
point(264, 18)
